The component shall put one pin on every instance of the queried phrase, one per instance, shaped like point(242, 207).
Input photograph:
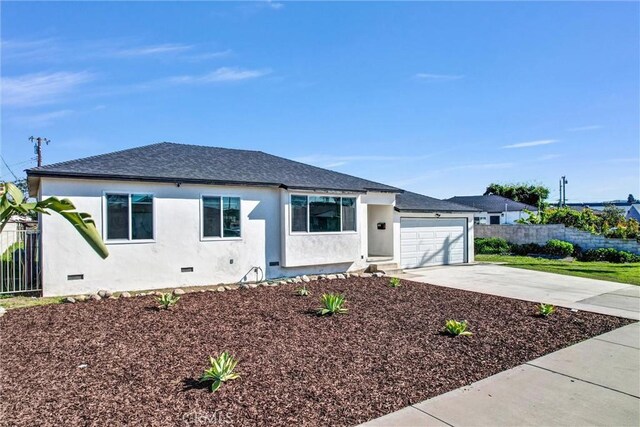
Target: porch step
point(389, 268)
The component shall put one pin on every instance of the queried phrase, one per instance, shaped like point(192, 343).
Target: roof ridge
point(95, 156)
point(208, 146)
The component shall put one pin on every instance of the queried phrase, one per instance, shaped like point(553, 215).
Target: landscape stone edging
point(542, 233)
point(105, 294)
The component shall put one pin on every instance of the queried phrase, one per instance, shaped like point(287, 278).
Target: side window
point(129, 217)
point(221, 216)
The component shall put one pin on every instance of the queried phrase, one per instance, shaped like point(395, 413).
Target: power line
point(8, 168)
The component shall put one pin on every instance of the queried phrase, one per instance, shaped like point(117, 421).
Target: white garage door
point(432, 241)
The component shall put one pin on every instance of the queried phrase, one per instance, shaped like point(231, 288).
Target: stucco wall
point(380, 241)
point(157, 264)
point(540, 234)
point(318, 249)
point(509, 217)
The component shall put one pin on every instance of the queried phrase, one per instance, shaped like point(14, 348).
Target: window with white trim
point(322, 214)
point(221, 217)
point(129, 216)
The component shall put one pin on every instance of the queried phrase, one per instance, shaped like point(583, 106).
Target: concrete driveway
point(598, 296)
point(595, 382)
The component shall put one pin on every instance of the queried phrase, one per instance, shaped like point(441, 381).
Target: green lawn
point(623, 273)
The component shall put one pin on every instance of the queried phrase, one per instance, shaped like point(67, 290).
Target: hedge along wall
point(540, 234)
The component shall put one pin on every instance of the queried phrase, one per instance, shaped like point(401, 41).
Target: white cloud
point(275, 5)
point(160, 49)
point(221, 75)
point(549, 157)
point(40, 88)
point(584, 128)
point(437, 77)
point(29, 49)
point(440, 172)
point(326, 161)
point(41, 119)
point(209, 55)
point(531, 143)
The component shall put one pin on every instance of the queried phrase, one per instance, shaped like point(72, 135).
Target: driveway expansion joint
point(431, 415)
point(581, 380)
point(616, 343)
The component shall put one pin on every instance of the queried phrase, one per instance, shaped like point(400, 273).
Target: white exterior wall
point(380, 241)
point(470, 254)
point(509, 217)
point(154, 265)
point(320, 249)
point(265, 238)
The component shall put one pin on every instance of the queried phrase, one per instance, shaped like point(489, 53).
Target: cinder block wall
point(540, 234)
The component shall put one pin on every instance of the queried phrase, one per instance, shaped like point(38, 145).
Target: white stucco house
point(185, 215)
point(495, 209)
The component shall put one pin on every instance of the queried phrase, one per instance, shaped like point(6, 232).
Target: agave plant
point(12, 202)
point(546, 310)
point(455, 328)
point(168, 300)
point(221, 370)
point(332, 304)
point(303, 291)
point(394, 282)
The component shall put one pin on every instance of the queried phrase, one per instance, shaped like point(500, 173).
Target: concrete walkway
point(595, 382)
point(598, 296)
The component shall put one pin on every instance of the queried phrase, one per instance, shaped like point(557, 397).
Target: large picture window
point(220, 217)
point(323, 214)
point(129, 217)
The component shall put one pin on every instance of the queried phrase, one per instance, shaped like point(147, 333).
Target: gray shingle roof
point(414, 202)
point(170, 162)
point(633, 213)
point(491, 203)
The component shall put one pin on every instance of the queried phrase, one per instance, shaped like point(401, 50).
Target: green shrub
point(332, 304)
point(491, 245)
point(394, 282)
point(611, 222)
point(558, 248)
point(221, 370)
point(168, 300)
point(609, 255)
point(303, 291)
point(546, 310)
point(455, 328)
point(526, 249)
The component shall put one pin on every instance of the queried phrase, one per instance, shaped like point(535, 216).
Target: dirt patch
point(142, 364)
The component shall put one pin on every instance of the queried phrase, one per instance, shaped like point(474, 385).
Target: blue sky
point(438, 98)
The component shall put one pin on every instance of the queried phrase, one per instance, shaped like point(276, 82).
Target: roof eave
point(168, 180)
point(32, 173)
point(407, 210)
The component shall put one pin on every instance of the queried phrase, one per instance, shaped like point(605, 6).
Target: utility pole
point(560, 195)
point(562, 201)
point(38, 146)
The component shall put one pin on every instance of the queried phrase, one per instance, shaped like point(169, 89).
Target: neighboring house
point(495, 209)
point(629, 210)
point(182, 215)
point(634, 212)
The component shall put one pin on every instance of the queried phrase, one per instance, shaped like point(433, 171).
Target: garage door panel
point(431, 241)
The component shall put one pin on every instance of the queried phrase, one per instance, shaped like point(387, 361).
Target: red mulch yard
point(296, 368)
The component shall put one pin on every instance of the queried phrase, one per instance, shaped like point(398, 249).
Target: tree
point(531, 194)
point(631, 199)
point(12, 202)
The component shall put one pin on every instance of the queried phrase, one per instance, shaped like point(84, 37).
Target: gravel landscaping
point(124, 361)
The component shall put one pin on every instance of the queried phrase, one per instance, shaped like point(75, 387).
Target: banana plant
point(12, 202)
